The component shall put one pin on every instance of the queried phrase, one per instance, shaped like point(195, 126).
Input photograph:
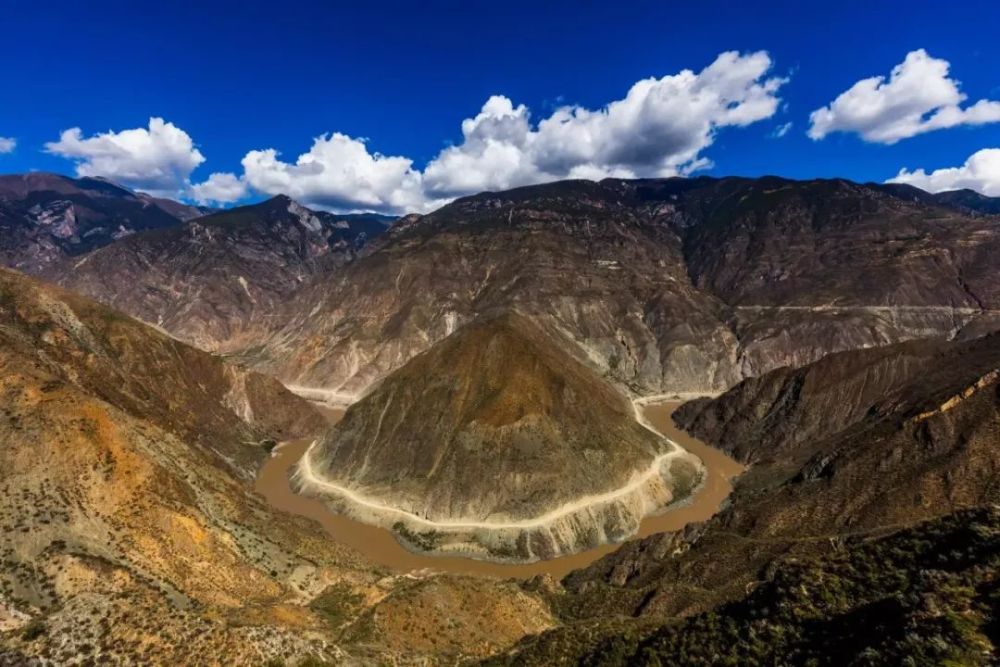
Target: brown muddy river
point(379, 546)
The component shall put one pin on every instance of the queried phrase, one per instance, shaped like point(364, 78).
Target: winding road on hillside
point(380, 545)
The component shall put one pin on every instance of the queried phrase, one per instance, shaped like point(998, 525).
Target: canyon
point(179, 489)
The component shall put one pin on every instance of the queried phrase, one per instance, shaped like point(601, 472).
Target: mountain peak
point(500, 400)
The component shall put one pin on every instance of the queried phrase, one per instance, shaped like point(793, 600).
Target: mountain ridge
point(666, 285)
point(218, 280)
point(569, 465)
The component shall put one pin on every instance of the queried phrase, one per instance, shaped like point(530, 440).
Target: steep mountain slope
point(129, 534)
point(219, 281)
point(568, 466)
point(970, 200)
point(922, 415)
point(666, 285)
point(45, 218)
point(925, 596)
point(819, 266)
point(788, 413)
point(149, 375)
point(888, 438)
point(579, 258)
point(121, 505)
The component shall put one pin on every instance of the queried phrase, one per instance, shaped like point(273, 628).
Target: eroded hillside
point(129, 530)
point(862, 445)
point(674, 285)
point(499, 444)
point(220, 282)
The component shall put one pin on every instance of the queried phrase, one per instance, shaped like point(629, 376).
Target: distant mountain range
point(220, 280)
point(848, 335)
point(675, 285)
point(46, 217)
point(672, 285)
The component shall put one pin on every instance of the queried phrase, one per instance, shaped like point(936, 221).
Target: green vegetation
point(927, 596)
point(427, 541)
point(337, 604)
point(308, 661)
point(33, 630)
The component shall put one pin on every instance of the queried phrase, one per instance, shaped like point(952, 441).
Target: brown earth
point(500, 400)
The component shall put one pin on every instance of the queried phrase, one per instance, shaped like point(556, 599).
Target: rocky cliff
point(850, 449)
point(221, 282)
point(498, 443)
point(47, 218)
point(665, 285)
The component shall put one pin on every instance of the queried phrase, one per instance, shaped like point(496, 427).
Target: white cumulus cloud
point(7, 145)
point(338, 172)
point(918, 97)
point(659, 128)
point(981, 172)
point(219, 188)
point(158, 159)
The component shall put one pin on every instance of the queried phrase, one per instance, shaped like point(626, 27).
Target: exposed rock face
point(847, 450)
point(666, 285)
point(497, 442)
point(122, 511)
point(149, 375)
point(45, 218)
point(672, 285)
point(858, 443)
point(786, 416)
point(580, 258)
point(220, 281)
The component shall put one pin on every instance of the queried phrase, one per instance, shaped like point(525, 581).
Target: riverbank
point(381, 547)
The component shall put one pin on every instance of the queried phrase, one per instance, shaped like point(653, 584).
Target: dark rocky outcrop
point(47, 218)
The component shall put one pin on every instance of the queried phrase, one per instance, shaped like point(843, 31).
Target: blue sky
point(241, 77)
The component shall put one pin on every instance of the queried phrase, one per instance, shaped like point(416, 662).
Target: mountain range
point(46, 218)
point(840, 340)
point(678, 285)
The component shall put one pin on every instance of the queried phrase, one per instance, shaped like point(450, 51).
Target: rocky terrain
point(47, 218)
point(219, 282)
point(865, 444)
point(666, 285)
point(672, 285)
point(925, 596)
point(130, 534)
point(568, 465)
point(851, 330)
